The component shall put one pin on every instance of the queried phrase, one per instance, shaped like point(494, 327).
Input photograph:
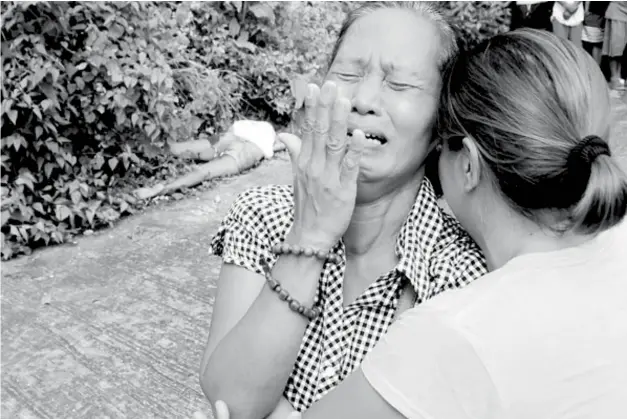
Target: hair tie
point(586, 151)
point(579, 164)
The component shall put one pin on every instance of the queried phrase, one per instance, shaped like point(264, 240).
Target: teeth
point(370, 137)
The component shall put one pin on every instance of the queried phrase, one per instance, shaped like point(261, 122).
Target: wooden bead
point(297, 250)
point(322, 255)
point(285, 249)
point(294, 306)
point(277, 288)
point(272, 283)
point(283, 295)
point(301, 309)
point(276, 249)
point(308, 251)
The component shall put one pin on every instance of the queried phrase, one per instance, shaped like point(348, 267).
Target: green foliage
point(92, 93)
point(478, 20)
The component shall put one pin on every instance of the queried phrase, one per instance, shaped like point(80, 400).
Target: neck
point(519, 236)
point(375, 225)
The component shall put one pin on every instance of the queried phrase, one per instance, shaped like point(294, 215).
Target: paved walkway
point(114, 326)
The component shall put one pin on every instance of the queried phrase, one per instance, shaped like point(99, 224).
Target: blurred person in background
point(593, 28)
point(531, 14)
point(567, 20)
point(615, 41)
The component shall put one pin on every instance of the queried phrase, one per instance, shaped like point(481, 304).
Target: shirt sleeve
point(258, 219)
point(426, 369)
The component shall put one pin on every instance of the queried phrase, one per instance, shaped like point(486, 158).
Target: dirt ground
point(114, 326)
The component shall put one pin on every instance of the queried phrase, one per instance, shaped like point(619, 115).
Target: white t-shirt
point(543, 337)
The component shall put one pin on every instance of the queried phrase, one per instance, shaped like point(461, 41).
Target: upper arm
point(237, 289)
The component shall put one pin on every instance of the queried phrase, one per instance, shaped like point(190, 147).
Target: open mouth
point(372, 138)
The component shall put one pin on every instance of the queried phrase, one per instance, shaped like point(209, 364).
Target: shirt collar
point(419, 235)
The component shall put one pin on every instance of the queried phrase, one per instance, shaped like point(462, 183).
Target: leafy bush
point(93, 92)
point(478, 20)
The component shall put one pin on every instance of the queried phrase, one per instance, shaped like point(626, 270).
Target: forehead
point(401, 38)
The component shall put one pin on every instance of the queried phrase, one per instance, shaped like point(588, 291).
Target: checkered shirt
point(434, 255)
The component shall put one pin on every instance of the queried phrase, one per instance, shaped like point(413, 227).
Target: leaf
point(98, 161)
point(76, 197)
point(37, 206)
point(45, 104)
point(234, 27)
point(12, 114)
point(52, 146)
point(63, 212)
point(48, 168)
point(263, 11)
point(182, 13)
point(38, 131)
point(6, 215)
point(113, 163)
point(37, 112)
point(26, 178)
point(81, 66)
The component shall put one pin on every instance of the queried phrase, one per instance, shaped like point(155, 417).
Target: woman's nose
point(366, 97)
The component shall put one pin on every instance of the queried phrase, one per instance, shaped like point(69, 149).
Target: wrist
point(315, 241)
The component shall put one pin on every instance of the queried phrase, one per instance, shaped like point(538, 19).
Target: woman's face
point(388, 66)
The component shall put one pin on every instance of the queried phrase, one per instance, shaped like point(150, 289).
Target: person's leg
point(560, 30)
point(575, 35)
point(614, 67)
point(596, 53)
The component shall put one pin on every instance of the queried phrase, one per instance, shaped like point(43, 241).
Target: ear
point(471, 164)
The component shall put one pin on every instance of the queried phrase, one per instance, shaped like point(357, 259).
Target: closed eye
point(347, 76)
point(401, 86)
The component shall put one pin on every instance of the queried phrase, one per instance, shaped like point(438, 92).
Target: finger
point(350, 163)
point(336, 144)
point(322, 125)
point(222, 410)
point(307, 126)
point(293, 145)
point(299, 90)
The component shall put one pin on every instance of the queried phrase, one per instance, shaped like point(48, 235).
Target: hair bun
point(586, 151)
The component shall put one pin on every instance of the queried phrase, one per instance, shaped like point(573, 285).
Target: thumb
point(222, 410)
point(292, 143)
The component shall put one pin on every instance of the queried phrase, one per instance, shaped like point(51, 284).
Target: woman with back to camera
point(526, 168)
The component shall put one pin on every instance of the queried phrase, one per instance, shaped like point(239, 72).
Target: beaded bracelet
point(294, 305)
point(286, 249)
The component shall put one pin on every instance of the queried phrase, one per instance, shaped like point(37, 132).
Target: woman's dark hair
point(430, 10)
point(528, 100)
